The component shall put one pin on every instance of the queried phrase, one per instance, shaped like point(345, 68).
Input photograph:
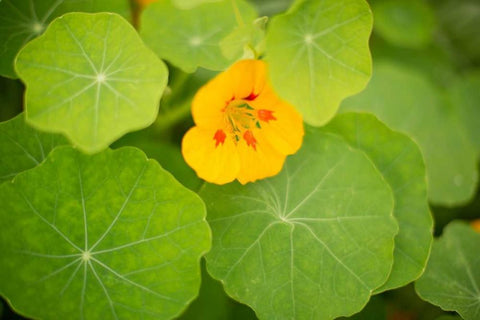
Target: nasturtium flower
point(243, 130)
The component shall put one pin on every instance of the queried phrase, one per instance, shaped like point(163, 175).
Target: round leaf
point(23, 20)
point(318, 55)
point(408, 102)
point(109, 236)
point(312, 242)
point(22, 147)
point(192, 38)
point(91, 77)
point(452, 278)
point(400, 162)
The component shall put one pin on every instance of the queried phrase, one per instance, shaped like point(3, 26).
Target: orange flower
point(243, 130)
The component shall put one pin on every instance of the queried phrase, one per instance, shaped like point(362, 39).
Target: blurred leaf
point(465, 97)
point(188, 4)
point(271, 7)
point(318, 55)
point(109, 236)
point(400, 162)
point(452, 277)
point(460, 20)
point(90, 77)
point(408, 102)
point(23, 20)
point(11, 96)
point(191, 38)
point(406, 23)
point(311, 242)
point(22, 147)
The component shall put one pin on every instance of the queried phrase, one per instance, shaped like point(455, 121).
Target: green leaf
point(91, 77)
point(318, 55)
point(108, 236)
point(406, 23)
point(189, 4)
point(191, 38)
point(407, 101)
point(248, 38)
point(23, 20)
point(311, 242)
point(400, 162)
point(22, 147)
point(465, 97)
point(452, 278)
point(168, 155)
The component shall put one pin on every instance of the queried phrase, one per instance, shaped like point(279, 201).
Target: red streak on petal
point(266, 115)
point(252, 96)
point(219, 137)
point(250, 139)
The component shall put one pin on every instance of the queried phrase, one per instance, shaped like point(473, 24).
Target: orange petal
point(285, 133)
point(260, 162)
point(212, 161)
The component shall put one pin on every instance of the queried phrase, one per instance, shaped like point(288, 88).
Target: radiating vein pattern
point(308, 242)
point(98, 80)
point(24, 20)
point(110, 234)
point(319, 55)
point(452, 278)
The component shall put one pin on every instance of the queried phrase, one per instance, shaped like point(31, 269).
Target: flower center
point(239, 117)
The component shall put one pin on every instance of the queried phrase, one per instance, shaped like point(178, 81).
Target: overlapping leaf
point(400, 162)
point(23, 20)
point(91, 77)
point(318, 55)
point(109, 236)
point(452, 278)
point(191, 38)
point(22, 147)
point(408, 102)
point(312, 242)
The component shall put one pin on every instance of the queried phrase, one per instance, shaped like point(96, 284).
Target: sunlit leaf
point(400, 162)
point(22, 147)
point(91, 77)
point(109, 236)
point(318, 55)
point(311, 242)
point(452, 278)
point(23, 20)
point(406, 23)
point(188, 4)
point(407, 101)
point(191, 38)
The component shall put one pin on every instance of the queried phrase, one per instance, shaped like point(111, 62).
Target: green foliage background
point(102, 219)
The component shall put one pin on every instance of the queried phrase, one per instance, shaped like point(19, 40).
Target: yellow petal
point(247, 77)
point(285, 133)
point(257, 163)
point(212, 161)
point(210, 100)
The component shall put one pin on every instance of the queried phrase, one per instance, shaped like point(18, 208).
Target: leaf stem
point(238, 15)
